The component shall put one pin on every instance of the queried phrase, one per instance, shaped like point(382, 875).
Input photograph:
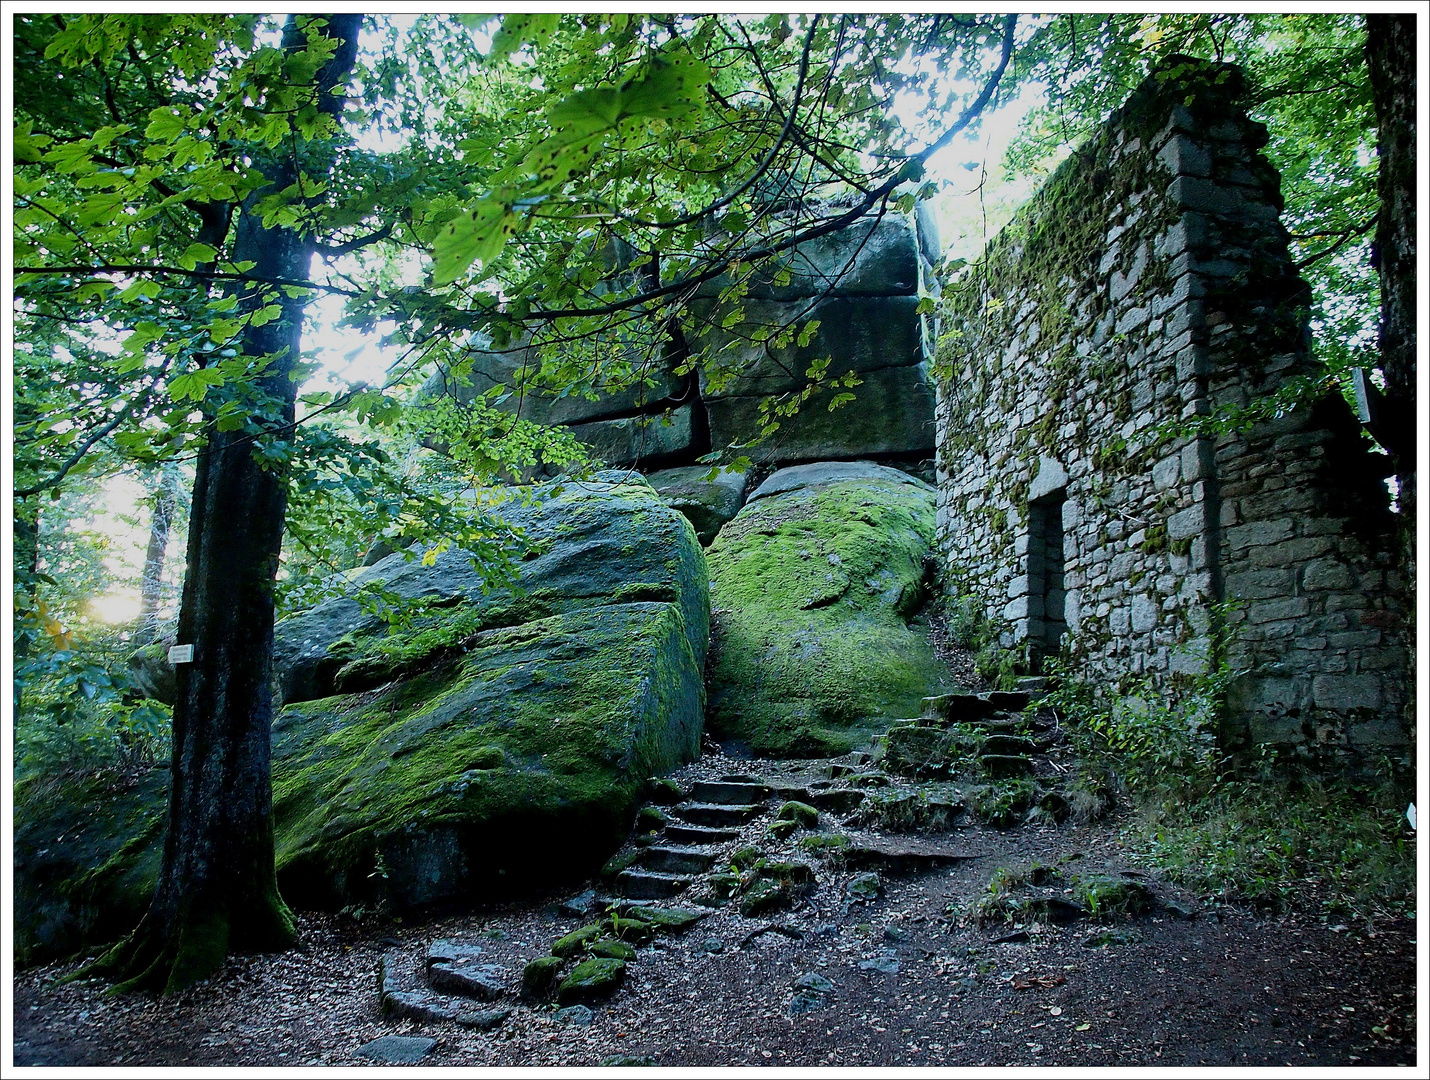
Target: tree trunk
point(217, 889)
point(152, 579)
point(1390, 57)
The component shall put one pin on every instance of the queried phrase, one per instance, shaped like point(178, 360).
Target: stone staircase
point(709, 820)
point(705, 840)
point(455, 985)
point(991, 729)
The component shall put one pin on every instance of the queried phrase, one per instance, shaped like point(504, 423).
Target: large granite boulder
point(501, 743)
point(86, 857)
point(586, 541)
point(816, 585)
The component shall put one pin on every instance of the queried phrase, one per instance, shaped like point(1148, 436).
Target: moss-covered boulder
point(504, 747)
point(601, 541)
point(816, 586)
point(592, 980)
point(86, 858)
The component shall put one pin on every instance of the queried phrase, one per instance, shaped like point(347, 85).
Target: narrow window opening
point(1047, 609)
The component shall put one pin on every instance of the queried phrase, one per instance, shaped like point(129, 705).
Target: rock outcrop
point(815, 584)
point(502, 742)
point(859, 286)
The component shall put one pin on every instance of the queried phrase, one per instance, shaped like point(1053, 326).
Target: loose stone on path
point(397, 1049)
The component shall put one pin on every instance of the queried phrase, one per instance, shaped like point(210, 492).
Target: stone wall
point(861, 285)
point(1104, 488)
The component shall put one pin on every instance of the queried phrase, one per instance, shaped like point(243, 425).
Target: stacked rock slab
point(861, 285)
point(504, 740)
point(1082, 507)
point(816, 584)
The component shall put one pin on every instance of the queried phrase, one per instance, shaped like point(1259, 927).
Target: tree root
point(169, 956)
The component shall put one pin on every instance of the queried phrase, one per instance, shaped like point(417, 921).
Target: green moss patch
point(522, 761)
point(815, 591)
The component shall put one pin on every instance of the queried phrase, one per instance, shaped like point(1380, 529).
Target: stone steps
point(972, 708)
point(678, 833)
point(1006, 766)
point(838, 800)
point(677, 860)
point(715, 814)
point(728, 793)
point(456, 987)
point(651, 885)
point(1011, 745)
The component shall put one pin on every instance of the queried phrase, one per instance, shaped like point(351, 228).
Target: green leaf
point(147, 289)
point(517, 30)
point(266, 314)
point(195, 254)
point(479, 235)
point(670, 86)
point(165, 124)
point(194, 385)
point(586, 111)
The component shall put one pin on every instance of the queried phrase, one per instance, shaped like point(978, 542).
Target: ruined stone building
point(1122, 475)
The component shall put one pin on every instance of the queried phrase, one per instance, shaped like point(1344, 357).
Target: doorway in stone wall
point(1047, 613)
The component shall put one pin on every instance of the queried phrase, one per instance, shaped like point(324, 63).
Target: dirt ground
point(1224, 988)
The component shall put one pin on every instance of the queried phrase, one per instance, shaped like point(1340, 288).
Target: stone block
point(869, 258)
point(1340, 692)
point(1327, 574)
point(1144, 612)
point(892, 413)
point(1260, 532)
point(926, 229)
point(1198, 460)
point(1187, 523)
point(1259, 584)
point(707, 497)
point(1269, 692)
point(864, 334)
point(1206, 196)
point(1288, 552)
point(1183, 157)
point(636, 439)
point(1378, 733)
point(517, 373)
point(1354, 639)
point(1167, 472)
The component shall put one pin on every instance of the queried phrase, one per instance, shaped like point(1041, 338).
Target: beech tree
point(216, 887)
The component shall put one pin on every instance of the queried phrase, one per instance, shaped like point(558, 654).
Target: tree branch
point(209, 275)
point(74, 459)
point(1345, 238)
point(830, 225)
point(334, 250)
